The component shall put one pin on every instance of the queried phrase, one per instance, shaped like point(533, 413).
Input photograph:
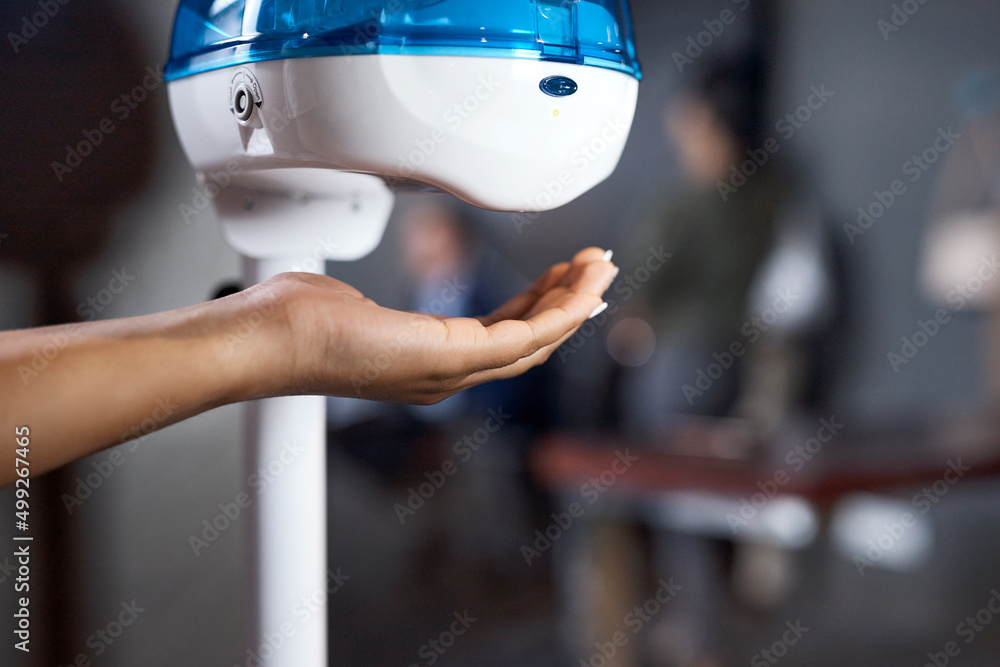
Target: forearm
point(82, 388)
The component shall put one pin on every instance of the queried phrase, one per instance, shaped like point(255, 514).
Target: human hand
point(329, 339)
point(110, 381)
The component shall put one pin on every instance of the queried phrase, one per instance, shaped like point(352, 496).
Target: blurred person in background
point(722, 327)
point(733, 321)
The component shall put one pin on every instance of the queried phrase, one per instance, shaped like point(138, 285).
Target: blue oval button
point(558, 86)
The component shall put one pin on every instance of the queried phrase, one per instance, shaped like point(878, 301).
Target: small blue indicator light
point(558, 86)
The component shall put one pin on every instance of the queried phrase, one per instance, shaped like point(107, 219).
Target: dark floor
point(460, 554)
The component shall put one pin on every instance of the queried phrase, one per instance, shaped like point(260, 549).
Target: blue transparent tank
point(212, 34)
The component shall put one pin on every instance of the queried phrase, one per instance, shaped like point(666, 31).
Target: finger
point(518, 366)
point(592, 254)
point(584, 273)
point(593, 278)
point(516, 308)
point(562, 306)
point(509, 341)
point(586, 256)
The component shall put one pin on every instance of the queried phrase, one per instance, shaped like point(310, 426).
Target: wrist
point(252, 339)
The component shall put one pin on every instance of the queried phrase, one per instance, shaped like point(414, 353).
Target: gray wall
point(891, 96)
point(135, 525)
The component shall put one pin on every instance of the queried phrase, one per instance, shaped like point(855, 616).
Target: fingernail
point(597, 311)
point(611, 278)
point(608, 255)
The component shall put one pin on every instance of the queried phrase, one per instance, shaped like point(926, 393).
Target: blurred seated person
point(477, 517)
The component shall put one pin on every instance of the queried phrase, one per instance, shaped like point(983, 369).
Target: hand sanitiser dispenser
point(512, 105)
point(307, 114)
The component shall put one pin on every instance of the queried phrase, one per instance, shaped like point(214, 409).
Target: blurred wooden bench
point(690, 479)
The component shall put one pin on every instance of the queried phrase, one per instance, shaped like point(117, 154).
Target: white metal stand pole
point(286, 447)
